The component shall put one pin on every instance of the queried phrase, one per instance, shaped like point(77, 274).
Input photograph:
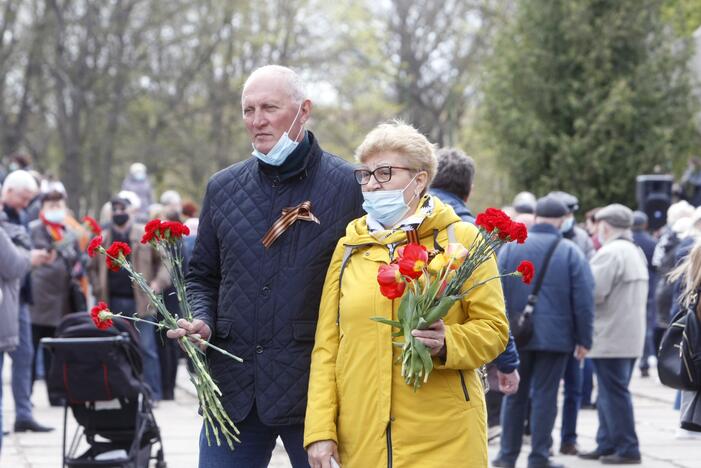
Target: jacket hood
point(357, 232)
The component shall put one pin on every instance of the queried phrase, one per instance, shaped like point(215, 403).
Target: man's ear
point(306, 111)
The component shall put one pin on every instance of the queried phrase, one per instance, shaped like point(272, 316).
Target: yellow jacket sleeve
point(485, 333)
point(322, 402)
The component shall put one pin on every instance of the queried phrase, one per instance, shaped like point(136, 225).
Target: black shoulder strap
point(541, 274)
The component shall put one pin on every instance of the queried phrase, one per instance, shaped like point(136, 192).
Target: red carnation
point(526, 270)
point(518, 232)
point(92, 225)
point(413, 260)
point(177, 229)
point(113, 253)
point(151, 231)
point(390, 279)
point(94, 244)
point(101, 323)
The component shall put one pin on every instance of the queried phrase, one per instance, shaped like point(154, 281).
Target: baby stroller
point(98, 374)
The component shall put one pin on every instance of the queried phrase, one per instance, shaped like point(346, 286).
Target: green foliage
point(683, 15)
point(583, 96)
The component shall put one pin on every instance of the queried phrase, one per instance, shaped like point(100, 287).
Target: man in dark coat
point(267, 230)
point(562, 324)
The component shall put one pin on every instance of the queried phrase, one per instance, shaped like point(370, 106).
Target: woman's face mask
point(388, 207)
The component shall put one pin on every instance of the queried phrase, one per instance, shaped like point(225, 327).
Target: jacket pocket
point(303, 330)
point(223, 330)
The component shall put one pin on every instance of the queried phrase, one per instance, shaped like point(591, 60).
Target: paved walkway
point(656, 425)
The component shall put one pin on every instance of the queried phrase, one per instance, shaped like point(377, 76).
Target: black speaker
point(654, 195)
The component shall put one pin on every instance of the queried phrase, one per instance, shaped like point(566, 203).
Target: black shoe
point(31, 426)
point(499, 463)
point(593, 455)
point(590, 406)
point(569, 449)
point(644, 372)
point(5, 433)
point(57, 402)
point(619, 460)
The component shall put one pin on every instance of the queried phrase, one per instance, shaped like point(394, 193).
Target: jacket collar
point(545, 229)
point(298, 163)
point(449, 198)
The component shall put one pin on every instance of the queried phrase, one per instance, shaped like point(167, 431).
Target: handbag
point(679, 356)
point(522, 327)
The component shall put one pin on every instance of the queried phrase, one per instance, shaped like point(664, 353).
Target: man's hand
point(580, 352)
point(156, 287)
point(433, 338)
point(195, 330)
point(39, 257)
point(508, 383)
point(320, 454)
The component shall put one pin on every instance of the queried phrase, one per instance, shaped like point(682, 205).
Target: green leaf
point(392, 323)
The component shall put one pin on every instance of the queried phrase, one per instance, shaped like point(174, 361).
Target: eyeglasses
point(382, 174)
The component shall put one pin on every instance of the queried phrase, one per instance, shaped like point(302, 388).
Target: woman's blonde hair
point(399, 137)
point(689, 272)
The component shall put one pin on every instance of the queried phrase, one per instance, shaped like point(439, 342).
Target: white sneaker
point(683, 434)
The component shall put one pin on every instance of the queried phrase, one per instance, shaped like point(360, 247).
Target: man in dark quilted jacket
point(268, 227)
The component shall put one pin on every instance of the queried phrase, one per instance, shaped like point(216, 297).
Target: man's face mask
point(120, 219)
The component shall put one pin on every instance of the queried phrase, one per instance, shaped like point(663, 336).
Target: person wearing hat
point(562, 325)
point(117, 289)
point(569, 228)
point(575, 373)
point(647, 244)
point(620, 293)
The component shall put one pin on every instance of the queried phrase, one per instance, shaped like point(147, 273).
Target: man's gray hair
point(19, 180)
point(295, 84)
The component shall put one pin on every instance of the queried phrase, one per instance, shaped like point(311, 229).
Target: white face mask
point(279, 153)
point(387, 206)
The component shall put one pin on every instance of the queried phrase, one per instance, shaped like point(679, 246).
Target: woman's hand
point(320, 454)
point(433, 338)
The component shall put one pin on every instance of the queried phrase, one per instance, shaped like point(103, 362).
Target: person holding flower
point(562, 325)
point(360, 410)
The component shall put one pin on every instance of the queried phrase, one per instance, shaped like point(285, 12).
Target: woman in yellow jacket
point(360, 411)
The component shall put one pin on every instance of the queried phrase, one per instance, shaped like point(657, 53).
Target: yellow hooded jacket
point(357, 396)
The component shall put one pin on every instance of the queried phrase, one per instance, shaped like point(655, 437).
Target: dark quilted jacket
point(263, 304)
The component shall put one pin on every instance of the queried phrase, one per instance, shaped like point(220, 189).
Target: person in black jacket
point(647, 243)
point(267, 230)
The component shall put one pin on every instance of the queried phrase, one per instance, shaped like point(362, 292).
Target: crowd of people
point(46, 274)
point(282, 265)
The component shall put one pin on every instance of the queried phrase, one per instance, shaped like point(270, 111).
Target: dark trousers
point(616, 432)
point(39, 332)
point(587, 382)
point(572, 401)
point(541, 372)
point(168, 356)
point(493, 399)
point(256, 447)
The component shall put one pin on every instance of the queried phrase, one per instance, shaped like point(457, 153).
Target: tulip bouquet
point(430, 283)
point(165, 237)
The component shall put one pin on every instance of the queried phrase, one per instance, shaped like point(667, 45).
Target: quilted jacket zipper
point(464, 387)
point(389, 444)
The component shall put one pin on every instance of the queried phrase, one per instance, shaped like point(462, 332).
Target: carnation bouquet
point(166, 238)
point(430, 283)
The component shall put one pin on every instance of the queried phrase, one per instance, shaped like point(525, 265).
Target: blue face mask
point(387, 206)
point(283, 148)
point(567, 225)
point(55, 216)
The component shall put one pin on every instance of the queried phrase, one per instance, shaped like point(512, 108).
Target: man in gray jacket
point(621, 279)
point(15, 261)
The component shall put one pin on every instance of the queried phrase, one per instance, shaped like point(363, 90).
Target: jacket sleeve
point(322, 401)
point(509, 360)
point(582, 283)
point(604, 267)
point(485, 333)
point(205, 269)
point(14, 260)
